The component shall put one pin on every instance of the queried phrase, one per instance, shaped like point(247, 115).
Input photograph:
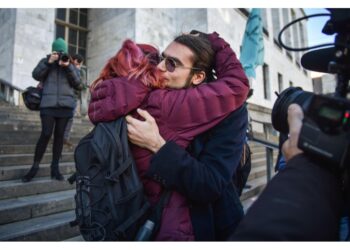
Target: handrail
point(6, 83)
point(265, 143)
point(9, 92)
point(257, 121)
point(270, 146)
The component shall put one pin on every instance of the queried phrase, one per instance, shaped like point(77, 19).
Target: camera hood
point(318, 60)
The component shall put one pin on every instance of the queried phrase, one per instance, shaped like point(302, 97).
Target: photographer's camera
point(326, 127)
point(64, 57)
point(325, 134)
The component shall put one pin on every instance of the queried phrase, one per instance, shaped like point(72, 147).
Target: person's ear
point(198, 77)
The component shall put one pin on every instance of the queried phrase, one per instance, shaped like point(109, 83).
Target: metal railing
point(269, 147)
point(10, 93)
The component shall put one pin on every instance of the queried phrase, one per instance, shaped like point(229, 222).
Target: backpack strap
point(132, 219)
point(156, 216)
point(124, 166)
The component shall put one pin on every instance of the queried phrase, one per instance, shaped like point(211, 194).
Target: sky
point(314, 27)
point(315, 35)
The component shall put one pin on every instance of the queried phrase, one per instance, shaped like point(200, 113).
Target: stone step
point(40, 185)
point(31, 115)
point(17, 172)
point(258, 154)
point(261, 161)
point(15, 109)
point(6, 105)
point(255, 187)
point(258, 162)
point(29, 149)
point(11, 112)
point(26, 159)
point(18, 122)
point(26, 138)
point(257, 172)
point(24, 127)
point(16, 136)
point(54, 227)
point(23, 208)
point(18, 116)
point(257, 147)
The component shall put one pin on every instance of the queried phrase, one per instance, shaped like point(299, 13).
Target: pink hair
point(133, 60)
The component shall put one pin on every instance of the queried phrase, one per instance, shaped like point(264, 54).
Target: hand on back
point(145, 133)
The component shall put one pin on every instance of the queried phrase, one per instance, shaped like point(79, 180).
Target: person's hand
point(295, 121)
point(53, 57)
point(144, 134)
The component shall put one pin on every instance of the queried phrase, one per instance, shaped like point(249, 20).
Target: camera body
point(64, 57)
point(326, 130)
point(325, 133)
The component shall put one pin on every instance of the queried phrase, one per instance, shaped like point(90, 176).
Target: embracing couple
point(187, 123)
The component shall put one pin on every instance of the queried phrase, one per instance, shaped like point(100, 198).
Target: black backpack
point(110, 202)
point(243, 170)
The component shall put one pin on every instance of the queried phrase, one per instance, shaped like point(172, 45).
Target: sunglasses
point(172, 63)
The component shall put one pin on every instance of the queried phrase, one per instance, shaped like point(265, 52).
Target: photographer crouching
point(58, 77)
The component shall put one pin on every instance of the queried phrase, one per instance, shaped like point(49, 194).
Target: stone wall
point(35, 32)
point(191, 19)
point(7, 37)
point(108, 29)
point(155, 26)
point(278, 62)
point(229, 23)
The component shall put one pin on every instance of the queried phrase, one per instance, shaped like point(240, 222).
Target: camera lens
point(64, 58)
point(280, 108)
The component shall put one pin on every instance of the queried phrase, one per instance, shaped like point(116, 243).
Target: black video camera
point(64, 57)
point(325, 133)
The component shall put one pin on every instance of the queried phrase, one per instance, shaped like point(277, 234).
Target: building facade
point(97, 34)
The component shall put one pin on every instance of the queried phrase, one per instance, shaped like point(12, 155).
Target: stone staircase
point(41, 210)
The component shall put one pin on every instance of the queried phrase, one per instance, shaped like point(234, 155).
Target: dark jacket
point(58, 84)
point(206, 180)
point(303, 202)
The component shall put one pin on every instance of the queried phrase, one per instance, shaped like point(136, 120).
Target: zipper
point(57, 83)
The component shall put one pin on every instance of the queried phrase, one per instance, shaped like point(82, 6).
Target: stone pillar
point(34, 34)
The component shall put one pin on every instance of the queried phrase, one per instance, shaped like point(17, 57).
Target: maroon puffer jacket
point(181, 114)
